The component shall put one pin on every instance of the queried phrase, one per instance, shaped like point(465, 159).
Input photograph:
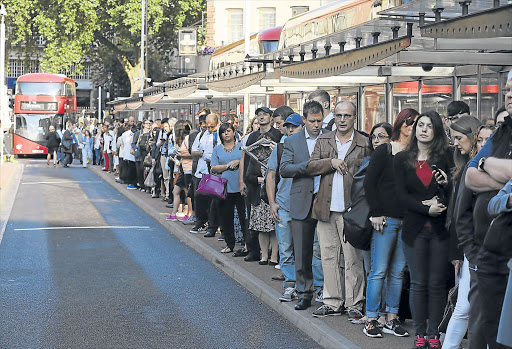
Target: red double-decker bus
point(41, 100)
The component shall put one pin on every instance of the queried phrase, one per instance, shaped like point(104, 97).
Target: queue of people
point(438, 193)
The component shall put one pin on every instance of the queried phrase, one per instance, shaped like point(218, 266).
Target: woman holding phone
point(422, 188)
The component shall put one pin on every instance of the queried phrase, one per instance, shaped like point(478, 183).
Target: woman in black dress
point(53, 142)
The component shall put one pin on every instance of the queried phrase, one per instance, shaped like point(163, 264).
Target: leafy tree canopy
point(106, 32)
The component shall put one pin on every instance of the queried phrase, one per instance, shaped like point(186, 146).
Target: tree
point(107, 32)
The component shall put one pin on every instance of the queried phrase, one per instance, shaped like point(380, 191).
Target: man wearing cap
point(296, 153)
point(337, 156)
point(249, 189)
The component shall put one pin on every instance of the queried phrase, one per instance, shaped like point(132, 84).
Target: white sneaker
point(290, 294)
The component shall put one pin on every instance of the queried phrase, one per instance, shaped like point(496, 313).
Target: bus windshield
point(34, 126)
point(40, 88)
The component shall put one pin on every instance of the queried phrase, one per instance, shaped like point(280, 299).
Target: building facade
point(226, 18)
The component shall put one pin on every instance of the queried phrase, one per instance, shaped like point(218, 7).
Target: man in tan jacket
point(337, 157)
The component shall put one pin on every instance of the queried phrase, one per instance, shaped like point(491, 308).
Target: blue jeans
point(286, 256)
point(318, 272)
point(98, 156)
point(387, 269)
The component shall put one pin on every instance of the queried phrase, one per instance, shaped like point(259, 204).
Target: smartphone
point(434, 168)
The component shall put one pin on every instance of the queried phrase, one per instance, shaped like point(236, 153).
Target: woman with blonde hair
point(53, 140)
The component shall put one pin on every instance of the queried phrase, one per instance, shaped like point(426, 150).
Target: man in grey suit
point(296, 153)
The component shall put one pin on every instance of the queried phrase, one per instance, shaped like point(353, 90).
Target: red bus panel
point(22, 145)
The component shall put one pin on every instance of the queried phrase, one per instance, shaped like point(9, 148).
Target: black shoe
point(263, 262)
point(278, 277)
point(169, 206)
point(303, 304)
point(272, 263)
point(251, 258)
point(241, 252)
point(209, 234)
point(221, 237)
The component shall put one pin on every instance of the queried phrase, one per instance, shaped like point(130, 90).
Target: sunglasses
point(409, 121)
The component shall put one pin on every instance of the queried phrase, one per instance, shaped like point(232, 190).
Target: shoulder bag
point(213, 186)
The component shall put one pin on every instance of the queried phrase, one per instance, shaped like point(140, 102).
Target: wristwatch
point(481, 164)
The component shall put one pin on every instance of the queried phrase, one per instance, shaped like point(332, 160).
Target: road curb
point(314, 328)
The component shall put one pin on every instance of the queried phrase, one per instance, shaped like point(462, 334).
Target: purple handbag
point(213, 186)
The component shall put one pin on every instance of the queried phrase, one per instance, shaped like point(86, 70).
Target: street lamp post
point(142, 27)
point(3, 13)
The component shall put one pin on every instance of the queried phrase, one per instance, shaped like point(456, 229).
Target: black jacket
point(53, 139)
point(411, 192)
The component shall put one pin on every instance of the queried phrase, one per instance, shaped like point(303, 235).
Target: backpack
point(263, 190)
point(357, 229)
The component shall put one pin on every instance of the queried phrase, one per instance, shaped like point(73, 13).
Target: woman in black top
point(464, 134)
point(422, 188)
point(53, 141)
point(387, 258)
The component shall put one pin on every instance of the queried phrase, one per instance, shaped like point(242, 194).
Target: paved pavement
point(334, 332)
point(82, 266)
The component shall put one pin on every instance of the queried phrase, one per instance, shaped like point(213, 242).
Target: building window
point(267, 17)
point(15, 68)
point(235, 24)
point(297, 10)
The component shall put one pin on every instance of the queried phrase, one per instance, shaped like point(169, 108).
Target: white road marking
point(59, 182)
point(90, 227)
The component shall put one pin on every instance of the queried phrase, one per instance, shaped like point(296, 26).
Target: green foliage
point(104, 31)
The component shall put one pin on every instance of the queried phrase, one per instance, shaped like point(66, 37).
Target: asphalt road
point(83, 267)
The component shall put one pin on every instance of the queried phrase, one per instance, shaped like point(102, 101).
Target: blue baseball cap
point(294, 119)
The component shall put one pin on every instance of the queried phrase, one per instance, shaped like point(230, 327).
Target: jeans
point(287, 258)
point(428, 266)
point(318, 272)
point(86, 152)
point(107, 161)
point(458, 324)
point(387, 269)
point(342, 265)
point(98, 156)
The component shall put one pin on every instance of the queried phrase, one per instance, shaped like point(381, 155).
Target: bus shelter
point(422, 54)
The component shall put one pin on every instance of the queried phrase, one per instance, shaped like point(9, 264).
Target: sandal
point(226, 249)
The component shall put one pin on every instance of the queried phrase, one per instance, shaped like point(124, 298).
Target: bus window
point(39, 88)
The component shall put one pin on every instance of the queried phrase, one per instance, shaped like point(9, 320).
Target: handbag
point(357, 229)
point(498, 239)
point(448, 310)
point(149, 182)
point(147, 160)
point(66, 144)
point(213, 186)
